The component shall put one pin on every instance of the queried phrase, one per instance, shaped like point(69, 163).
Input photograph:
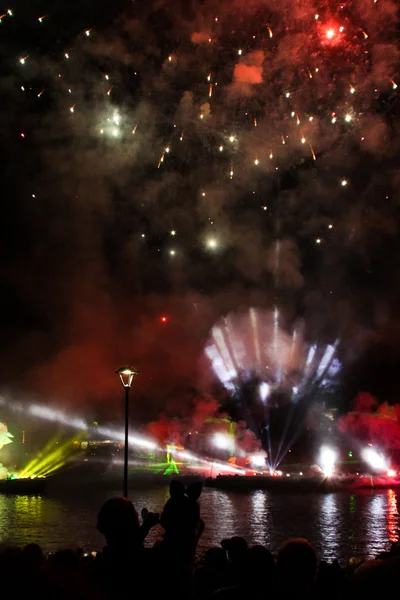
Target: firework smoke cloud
point(185, 159)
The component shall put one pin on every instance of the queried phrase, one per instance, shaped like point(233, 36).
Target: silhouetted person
point(330, 581)
point(257, 568)
point(213, 574)
point(32, 557)
point(296, 569)
point(376, 579)
point(181, 521)
point(252, 573)
point(236, 547)
point(65, 577)
point(123, 555)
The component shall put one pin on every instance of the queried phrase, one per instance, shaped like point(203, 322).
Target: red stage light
point(163, 319)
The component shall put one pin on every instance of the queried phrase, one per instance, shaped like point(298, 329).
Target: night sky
point(189, 159)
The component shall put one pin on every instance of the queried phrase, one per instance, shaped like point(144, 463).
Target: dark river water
point(338, 525)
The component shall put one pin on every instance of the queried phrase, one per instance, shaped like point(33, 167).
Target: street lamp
point(126, 375)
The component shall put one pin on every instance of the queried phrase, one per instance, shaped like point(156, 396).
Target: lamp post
point(126, 375)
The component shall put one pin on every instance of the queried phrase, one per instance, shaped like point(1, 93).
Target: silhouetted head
point(236, 547)
point(256, 568)
point(376, 578)
point(65, 560)
point(177, 490)
point(118, 521)
point(32, 556)
point(297, 563)
point(181, 514)
point(262, 557)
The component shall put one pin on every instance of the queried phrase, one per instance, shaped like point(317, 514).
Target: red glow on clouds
point(375, 424)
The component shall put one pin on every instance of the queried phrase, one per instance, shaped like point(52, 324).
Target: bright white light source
point(263, 391)
point(327, 460)
point(374, 459)
point(258, 460)
point(212, 243)
point(222, 441)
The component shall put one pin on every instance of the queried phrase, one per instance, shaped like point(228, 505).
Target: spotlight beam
point(43, 463)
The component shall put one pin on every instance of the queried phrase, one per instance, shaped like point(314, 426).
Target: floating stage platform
point(299, 484)
point(23, 486)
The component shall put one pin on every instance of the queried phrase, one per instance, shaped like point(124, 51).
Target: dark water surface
point(338, 525)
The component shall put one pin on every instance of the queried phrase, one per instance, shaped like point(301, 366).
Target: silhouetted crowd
point(127, 568)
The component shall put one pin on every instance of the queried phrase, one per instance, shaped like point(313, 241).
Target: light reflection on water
point(375, 521)
point(329, 523)
point(260, 522)
point(392, 516)
point(338, 525)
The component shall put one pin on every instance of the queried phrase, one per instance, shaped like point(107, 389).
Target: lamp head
point(126, 375)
